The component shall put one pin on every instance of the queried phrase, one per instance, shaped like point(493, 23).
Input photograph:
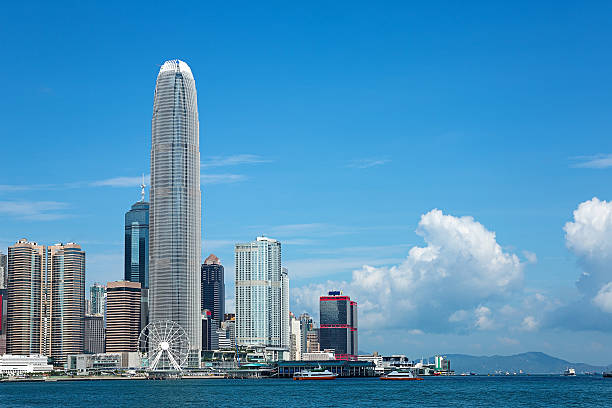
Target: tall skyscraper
point(338, 329)
point(175, 213)
point(213, 287)
point(97, 297)
point(26, 306)
point(66, 300)
point(259, 295)
point(285, 313)
point(122, 316)
point(136, 268)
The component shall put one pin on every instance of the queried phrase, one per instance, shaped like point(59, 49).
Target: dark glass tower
point(137, 244)
point(338, 325)
point(213, 288)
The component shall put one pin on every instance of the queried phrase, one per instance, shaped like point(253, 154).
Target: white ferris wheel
point(164, 346)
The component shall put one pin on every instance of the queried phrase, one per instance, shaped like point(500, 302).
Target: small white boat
point(405, 375)
point(315, 374)
point(569, 372)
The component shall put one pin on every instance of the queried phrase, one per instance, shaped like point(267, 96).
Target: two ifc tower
point(175, 209)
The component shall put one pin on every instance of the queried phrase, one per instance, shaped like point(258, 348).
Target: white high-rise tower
point(175, 212)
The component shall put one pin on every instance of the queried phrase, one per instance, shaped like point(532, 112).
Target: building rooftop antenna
point(142, 193)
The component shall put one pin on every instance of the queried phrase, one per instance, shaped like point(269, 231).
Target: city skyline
point(425, 168)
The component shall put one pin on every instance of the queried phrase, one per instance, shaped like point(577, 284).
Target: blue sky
point(335, 128)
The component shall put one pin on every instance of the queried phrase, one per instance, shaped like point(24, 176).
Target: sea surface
point(476, 391)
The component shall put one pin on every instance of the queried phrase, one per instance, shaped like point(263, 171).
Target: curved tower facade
point(175, 211)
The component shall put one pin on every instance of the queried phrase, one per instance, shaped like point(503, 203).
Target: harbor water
point(474, 391)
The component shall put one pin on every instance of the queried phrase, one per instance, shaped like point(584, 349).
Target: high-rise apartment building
point(259, 293)
point(136, 267)
point(93, 342)
point(66, 300)
point(26, 306)
point(338, 329)
point(46, 299)
point(97, 298)
point(122, 316)
point(213, 287)
point(175, 212)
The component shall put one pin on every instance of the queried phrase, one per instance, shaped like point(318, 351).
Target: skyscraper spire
point(142, 193)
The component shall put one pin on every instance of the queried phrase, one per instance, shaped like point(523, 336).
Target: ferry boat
point(405, 375)
point(315, 374)
point(607, 374)
point(570, 372)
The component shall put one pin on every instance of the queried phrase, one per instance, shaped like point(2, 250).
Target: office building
point(209, 331)
point(94, 334)
point(175, 212)
point(213, 287)
point(136, 267)
point(230, 327)
point(312, 341)
point(122, 316)
point(26, 299)
point(295, 338)
point(3, 302)
point(3, 271)
point(338, 329)
point(306, 325)
point(285, 313)
point(66, 300)
point(259, 300)
point(97, 299)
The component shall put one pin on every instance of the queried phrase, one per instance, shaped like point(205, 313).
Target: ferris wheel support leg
point(173, 361)
point(156, 360)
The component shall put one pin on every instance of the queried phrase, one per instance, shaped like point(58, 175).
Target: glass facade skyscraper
point(136, 267)
point(338, 325)
point(213, 288)
point(175, 212)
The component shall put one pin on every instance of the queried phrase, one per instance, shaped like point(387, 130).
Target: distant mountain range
point(530, 363)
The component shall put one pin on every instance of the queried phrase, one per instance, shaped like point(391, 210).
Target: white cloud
point(531, 257)
point(483, 318)
point(234, 160)
point(589, 237)
point(367, 163)
point(599, 161)
point(603, 299)
point(34, 210)
point(461, 268)
point(221, 178)
point(529, 323)
point(122, 182)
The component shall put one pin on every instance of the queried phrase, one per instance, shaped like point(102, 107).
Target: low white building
point(319, 355)
point(84, 363)
point(12, 364)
